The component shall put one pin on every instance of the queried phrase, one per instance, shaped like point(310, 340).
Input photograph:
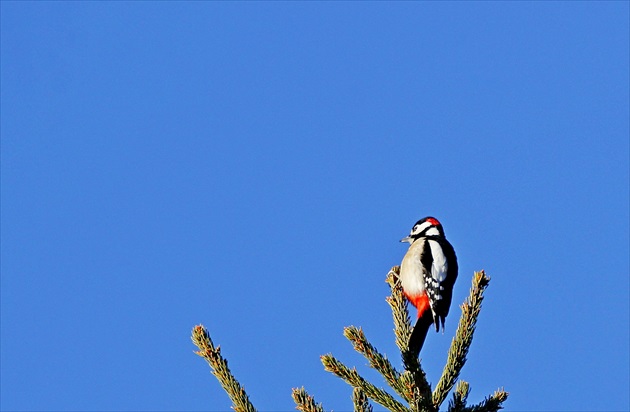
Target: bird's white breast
point(411, 270)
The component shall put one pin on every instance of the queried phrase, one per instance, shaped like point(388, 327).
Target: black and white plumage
point(428, 273)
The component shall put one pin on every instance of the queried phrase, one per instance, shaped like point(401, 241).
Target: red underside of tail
point(421, 302)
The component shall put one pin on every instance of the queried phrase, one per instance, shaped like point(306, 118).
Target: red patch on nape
point(433, 221)
point(421, 302)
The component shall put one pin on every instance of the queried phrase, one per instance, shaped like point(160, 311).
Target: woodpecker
point(427, 273)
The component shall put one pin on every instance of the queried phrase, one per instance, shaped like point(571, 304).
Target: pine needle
point(305, 402)
point(360, 401)
point(219, 368)
point(352, 377)
point(458, 403)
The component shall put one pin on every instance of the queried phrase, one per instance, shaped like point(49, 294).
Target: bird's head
point(428, 226)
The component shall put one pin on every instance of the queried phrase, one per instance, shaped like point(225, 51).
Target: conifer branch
point(411, 384)
point(402, 331)
point(463, 338)
point(219, 368)
point(305, 402)
point(398, 303)
point(458, 403)
point(352, 377)
point(377, 360)
point(360, 401)
point(492, 403)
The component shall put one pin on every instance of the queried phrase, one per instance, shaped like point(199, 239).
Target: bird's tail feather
point(419, 333)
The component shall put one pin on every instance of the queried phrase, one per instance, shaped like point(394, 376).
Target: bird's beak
point(407, 239)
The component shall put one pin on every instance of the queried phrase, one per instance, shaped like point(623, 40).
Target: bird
point(427, 273)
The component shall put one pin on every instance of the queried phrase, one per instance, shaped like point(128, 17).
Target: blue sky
point(252, 166)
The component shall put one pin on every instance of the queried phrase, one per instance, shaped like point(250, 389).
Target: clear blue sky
point(252, 166)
